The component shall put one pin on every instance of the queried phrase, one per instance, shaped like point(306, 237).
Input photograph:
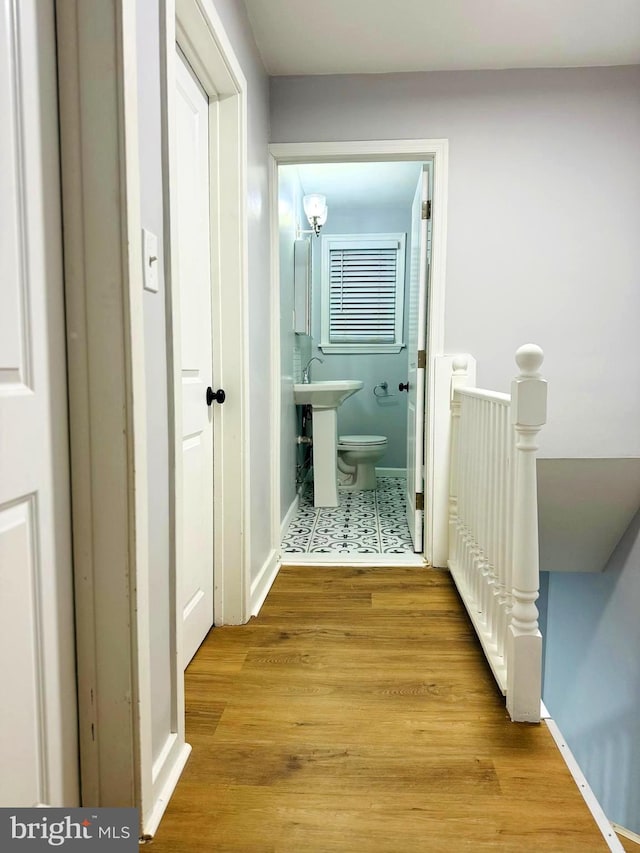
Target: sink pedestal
point(324, 398)
point(325, 470)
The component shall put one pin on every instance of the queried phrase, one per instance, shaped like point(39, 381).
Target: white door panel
point(195, 417)
point(194, 285)
point(416, 342)
point(22, 724)
point(38, 725)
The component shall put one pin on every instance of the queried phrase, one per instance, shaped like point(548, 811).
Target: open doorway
point(370, 200)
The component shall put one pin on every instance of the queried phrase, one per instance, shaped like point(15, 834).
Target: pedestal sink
point(324, 399)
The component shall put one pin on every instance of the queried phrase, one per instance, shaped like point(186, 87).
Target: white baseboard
point(380, 472)
point(167, 770)
point(604, 825)
point(261, 585)
point(391, 472)
point(286, 521)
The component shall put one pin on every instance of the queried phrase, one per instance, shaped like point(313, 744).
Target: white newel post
point(459, 379)
point(524, 641)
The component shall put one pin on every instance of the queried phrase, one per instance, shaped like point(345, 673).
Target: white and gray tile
point(364, 523)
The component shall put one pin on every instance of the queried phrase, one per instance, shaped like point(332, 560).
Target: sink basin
point(326, 395)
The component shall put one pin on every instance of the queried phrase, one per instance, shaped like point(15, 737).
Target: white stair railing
point(493, 523)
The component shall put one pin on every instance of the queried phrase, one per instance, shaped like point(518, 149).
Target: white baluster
point(524, 641)
point(465, 492)
point(500, 520)
point(483, 507)
point(459, 379)
point(475, 495)
point(492, 510)
point(504, 433)
point(473, 504)
point(494, 491)
point(511, 481)
point(478, 499)
point(486, 503)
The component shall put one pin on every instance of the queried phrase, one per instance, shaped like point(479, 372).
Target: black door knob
point(403, 386)
point(219, 396)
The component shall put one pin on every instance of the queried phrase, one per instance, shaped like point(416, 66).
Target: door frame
point(197, 29)
point(105, 360)
point(436, 151)
point(98, 102)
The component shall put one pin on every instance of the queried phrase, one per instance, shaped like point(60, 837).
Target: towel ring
point(384, 387)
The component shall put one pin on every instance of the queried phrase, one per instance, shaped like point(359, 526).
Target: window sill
point(361, 349)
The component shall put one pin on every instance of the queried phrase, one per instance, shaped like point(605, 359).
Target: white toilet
point(357, 457)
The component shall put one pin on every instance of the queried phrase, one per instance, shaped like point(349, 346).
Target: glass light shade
point(315, 205)
point(323, 216)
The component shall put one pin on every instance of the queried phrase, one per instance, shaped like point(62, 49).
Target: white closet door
point(194, 283)
point(38, 726)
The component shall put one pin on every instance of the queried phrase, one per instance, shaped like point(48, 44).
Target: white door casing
point(435, 152)
point(197, 29)
point(416, 343)
point(193, 248)
point(38, 720)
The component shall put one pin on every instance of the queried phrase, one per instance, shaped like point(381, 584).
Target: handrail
point(483, 394)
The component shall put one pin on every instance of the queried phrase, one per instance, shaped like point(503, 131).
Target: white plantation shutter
point(363, 289)
point(362, 297)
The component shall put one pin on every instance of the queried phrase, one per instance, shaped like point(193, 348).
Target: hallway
point(356, 713)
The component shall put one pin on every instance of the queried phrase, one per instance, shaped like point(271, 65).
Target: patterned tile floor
point(364, 523)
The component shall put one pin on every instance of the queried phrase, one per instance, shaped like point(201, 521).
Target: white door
point(193, 134)
point(416, 350)
point(38, 726)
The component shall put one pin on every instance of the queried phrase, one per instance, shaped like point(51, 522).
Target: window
point(362, 292)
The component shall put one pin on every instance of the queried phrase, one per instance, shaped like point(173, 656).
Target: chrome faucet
point(306, 379)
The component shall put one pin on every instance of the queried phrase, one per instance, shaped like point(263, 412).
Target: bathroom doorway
point(369, 198)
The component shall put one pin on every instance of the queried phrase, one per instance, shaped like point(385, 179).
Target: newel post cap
point(459, 376)
point(529, 358)
point(460, 363)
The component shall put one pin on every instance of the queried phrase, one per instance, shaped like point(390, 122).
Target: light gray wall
point(151, 204)
point(584, 508)
point(543, 222)
point(363, 413)
point(236, 23)
point(592, 675)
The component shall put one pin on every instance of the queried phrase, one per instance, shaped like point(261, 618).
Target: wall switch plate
point(150, 260)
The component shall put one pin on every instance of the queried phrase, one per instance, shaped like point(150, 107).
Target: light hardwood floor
point(357, 714)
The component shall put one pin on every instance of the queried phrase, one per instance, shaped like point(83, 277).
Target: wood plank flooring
point(357, 714)
point(628, 845)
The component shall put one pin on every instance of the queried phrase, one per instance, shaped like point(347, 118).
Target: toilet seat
point(362, 440)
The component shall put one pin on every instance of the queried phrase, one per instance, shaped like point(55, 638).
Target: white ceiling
point(360, 183)
point(377, 36)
